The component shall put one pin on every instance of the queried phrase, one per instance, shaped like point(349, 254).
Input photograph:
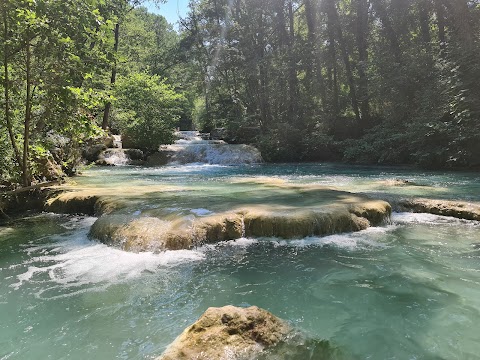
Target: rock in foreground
point(228, 333)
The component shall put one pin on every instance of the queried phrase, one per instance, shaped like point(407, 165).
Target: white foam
point(365, 239)
point(116, 157)
point(190, 148)
point(242, 242)
point(201, 212)
point(424, 218)
point(79, 261)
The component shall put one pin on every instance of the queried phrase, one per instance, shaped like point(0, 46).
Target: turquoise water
point(407, 290)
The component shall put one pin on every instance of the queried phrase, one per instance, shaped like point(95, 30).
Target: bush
point(147, 110)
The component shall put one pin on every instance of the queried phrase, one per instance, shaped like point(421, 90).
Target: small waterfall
point(116, 157)
point(191, 148)
point(117, 141)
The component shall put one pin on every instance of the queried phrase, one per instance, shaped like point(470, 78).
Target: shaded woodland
point(362, 81)
point(379, 81)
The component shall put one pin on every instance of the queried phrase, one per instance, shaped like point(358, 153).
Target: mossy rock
point(228, 333)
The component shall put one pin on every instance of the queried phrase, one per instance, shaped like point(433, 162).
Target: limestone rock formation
point(289, 213)
point(228, 333)
point(147, 233)
point(458, 209)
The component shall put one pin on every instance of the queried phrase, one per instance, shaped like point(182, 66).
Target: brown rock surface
point(458, 209)
point(228, 333)
point(285, 210)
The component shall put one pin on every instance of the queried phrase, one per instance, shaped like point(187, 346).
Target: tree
point(44, 59)
point(147, 110)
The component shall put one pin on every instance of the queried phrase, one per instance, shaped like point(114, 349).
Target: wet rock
point(299, 347)
point(140, 234)
point(18, 204)
point(218, 134)
point(396, 182)
point(458, 209)
point(159, 158)
point(228, 333)
point(152, 234)
point(94, 147)
point(92, 153)
point(72, 203)
point(300, 224)
point(375, 211)
point(135, 154)
point(293, 212)
point(48, 169)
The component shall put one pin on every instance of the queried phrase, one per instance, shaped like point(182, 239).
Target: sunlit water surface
point(407, 290)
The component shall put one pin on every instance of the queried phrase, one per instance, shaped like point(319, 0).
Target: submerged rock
point(458, 209)
point(228, 333)
point(299, 347)
point(396, 182)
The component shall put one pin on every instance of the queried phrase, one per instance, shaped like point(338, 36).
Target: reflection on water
point(408, 290)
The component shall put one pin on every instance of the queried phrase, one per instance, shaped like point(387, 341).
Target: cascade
point(191, 148)
point(116, 157)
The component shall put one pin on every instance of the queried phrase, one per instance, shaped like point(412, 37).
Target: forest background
point(361, 81)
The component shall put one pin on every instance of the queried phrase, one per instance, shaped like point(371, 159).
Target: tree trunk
point(440, 12)
point(108, 106)
point(292, 66)
point(262, 74)
point(281, 23)
point(389, 30)
point(362, 44)
point(332, 66)
point(424, 17)
point(6, 87)
point(28, 117)
point(311, 17)
point(332, 11)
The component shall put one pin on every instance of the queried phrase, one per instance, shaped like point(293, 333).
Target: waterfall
point(115, 157)
point(191, 148)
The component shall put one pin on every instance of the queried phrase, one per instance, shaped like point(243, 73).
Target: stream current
point(406, 290)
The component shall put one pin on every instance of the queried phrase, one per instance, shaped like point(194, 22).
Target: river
point(409, 289)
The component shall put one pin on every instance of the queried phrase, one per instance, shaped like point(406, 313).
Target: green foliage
point(147, 110)
point(50, 51)
point(382, 81)
point(58, 57)
point(281, 144)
